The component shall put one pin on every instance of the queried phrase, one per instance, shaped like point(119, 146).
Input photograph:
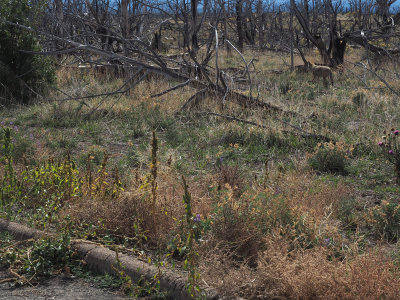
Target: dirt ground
point(57, 288)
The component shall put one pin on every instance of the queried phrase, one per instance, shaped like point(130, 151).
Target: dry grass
point(279, 237)
point(130, 214)
point(300, 254)
point(282, 273)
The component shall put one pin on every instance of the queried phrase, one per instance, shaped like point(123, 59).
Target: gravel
point(57, 287)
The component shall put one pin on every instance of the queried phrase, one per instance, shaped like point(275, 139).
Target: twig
point(8, 280)
point(304, 134)
point(246, 65)
point(379, 77)
point(232, 118)
point(195, 97)
point(216, 57)
point(161, 68)
point(172, 89)
point(19, 277)
point(56, 52)
point(16, 244)
point(119, 90)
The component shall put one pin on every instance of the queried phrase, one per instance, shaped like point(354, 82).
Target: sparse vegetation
point(254, 198)
point(262, 184)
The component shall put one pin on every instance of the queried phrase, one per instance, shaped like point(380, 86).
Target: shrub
point(45, 257)
point(231, 175)
point(386, 220)
point(330, 157)
point(22, 148)
point(49, 255)
point(284, 88)
point(22, 75)
point(243, 223)
point(359, 98)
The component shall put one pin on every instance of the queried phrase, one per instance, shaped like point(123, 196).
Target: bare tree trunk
point(249, 25)
point(239, 23)
point(225, 12)
point(316, 40)
point(291, 39)
point(280, 20)
point(314, 18)
point(383, 7)
point(186, 38)
point(195, 42)
point(60, 17)
point(124, 18)
point(143, 17)
point(125, 21)
point(261, 24)
point(307, 17)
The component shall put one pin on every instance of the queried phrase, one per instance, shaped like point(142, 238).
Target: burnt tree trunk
point(195, 42)
point(60, 18)
point(125, 21)
point(239, 23)
point(261, 24)
point(186, 34)
point(307, 17)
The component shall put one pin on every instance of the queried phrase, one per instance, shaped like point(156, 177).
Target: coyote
point(321, 72)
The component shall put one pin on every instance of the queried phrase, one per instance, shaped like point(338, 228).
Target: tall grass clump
point(10, 187)
point(385, 220)
point(285, 241)
point(330, 157)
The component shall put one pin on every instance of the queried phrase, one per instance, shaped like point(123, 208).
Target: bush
point(386, 220)
point(329, 157)
point(22, 75)
point(284, 88)
point(359, 99)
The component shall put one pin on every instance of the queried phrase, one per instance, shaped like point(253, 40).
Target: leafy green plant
point(22, 145)
point(50, 185)
point(40, 258)
point(106, 281)
point(48, 255)
point(348, 213)
point(142, 288)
